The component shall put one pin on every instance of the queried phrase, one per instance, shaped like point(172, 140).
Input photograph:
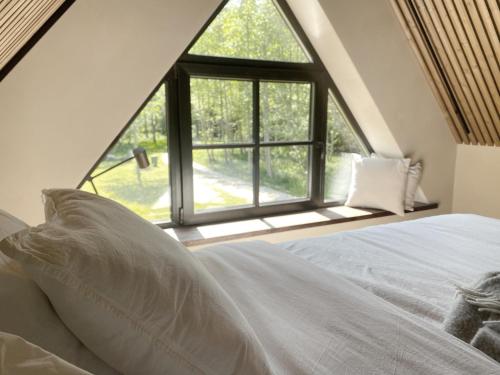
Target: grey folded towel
point(475, 315)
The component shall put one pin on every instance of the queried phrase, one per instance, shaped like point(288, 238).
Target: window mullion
point(287, 143)
point(174, 149)
point(256, 140)
point(222, 146)
point(319, 116)
point(186, 146)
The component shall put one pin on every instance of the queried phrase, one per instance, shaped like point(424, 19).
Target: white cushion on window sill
point(379, 183)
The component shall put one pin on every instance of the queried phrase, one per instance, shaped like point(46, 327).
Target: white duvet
point(311, 321)
point(411, 264)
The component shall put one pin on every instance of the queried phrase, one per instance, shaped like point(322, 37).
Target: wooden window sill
point(206, 234)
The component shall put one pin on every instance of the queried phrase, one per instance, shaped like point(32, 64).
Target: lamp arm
point(110, 168)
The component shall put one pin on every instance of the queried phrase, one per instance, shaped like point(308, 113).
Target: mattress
point(414, 264)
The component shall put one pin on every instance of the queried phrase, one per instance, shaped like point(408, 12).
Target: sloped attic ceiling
point(22, 23)
point(457, 44)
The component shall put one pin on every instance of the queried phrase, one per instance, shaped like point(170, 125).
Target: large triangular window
point(252, 125)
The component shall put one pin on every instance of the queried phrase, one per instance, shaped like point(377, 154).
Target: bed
point(139, 302)
point(414, 265)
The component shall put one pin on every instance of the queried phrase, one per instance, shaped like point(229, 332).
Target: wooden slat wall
point(19, 21)
point(457, 43)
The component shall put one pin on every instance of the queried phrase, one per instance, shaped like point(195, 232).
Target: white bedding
point(311, 321)
point(307, 320)
point(410, 264)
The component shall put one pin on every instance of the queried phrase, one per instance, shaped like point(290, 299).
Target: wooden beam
point(477, 61)
point(33, 21)
point(431, 73)
point(457, 44)
point(471, 84)
point(452, 71)
point(18, 24)
point(487, 49)
point(22, 24)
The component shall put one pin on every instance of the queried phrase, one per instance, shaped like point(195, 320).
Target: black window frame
point(179, 125)
point(248, 72)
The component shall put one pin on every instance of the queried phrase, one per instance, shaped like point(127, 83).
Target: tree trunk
point(267, 136)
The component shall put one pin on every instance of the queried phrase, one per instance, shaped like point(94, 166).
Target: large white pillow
point(20, 357)
point(131, 293)
point(414, 176)
point(26, 311)
point(379, 183)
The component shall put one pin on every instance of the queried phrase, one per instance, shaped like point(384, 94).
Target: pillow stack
point(133, 295)
point(386, 184)
point(26, 311)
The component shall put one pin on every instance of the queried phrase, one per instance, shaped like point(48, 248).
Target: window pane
point(251, 29)
point(221, 111)
point(285, 111)
point(284, 173)
point(144, 191)
point(342, 145)
point(222, 178)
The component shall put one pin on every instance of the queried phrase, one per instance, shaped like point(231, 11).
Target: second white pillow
point(414, 176)
point(379, 183)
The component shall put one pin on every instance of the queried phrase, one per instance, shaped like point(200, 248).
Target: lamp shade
point(141, 157)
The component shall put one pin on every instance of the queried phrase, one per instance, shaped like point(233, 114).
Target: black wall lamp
point(140, 156)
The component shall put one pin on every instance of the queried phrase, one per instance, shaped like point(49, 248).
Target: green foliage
point(148, 130)
point(251, 29)
point(340, 135)
point(284, 111)
point(285, 169)
point(221, 111)
point(341, 142)
point(140, 190)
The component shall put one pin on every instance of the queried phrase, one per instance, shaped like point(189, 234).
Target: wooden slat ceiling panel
point(457, 43)
point(19, 21)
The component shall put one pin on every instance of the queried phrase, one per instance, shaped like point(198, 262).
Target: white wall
point(67, 99)
point(477, 181)
point(365, 49)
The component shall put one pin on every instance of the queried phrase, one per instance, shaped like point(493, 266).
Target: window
point(144, 191)
point(341, 144)
point(252, 125)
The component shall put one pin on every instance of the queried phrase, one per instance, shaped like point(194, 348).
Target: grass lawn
point(139, 190)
